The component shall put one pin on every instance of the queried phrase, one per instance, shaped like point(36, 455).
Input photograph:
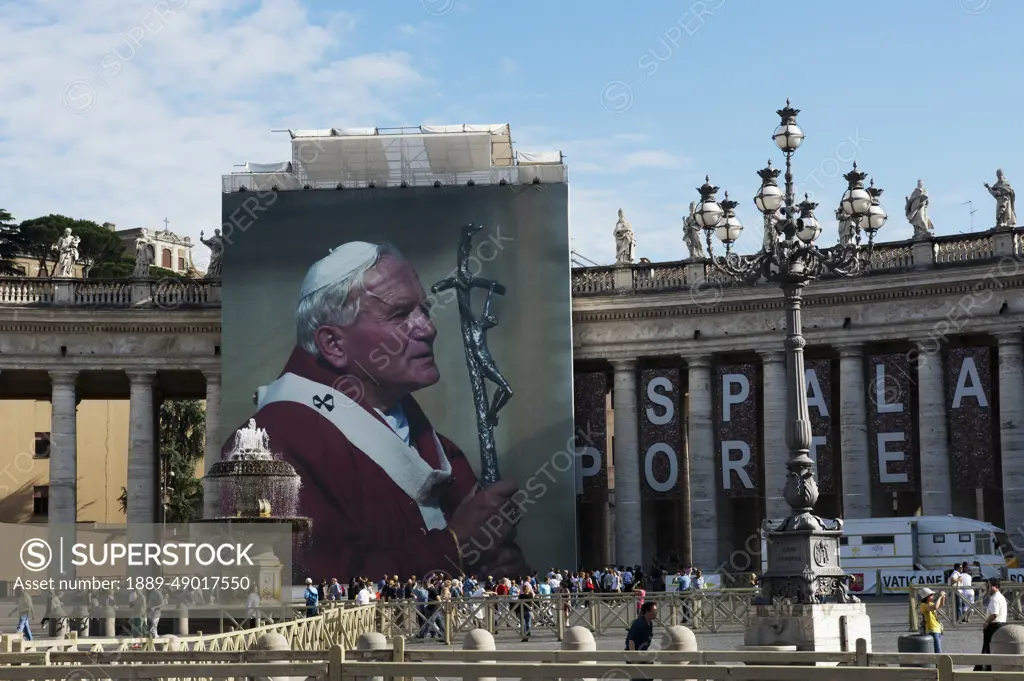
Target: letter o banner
point(673, 468)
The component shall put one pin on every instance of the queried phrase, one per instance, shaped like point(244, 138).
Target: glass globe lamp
point(769, 198)
point(728, 230)
point(875, 218)
point(807, 226)
point(788, 137)
point(708, 214)
point(808, 229)
point(856, 202)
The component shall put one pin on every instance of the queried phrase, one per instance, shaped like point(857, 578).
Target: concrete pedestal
point(826, 627)
point(1009, 640)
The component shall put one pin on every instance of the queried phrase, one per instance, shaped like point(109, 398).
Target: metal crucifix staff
point(478, 358)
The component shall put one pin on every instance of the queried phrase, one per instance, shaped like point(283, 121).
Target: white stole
point(401, 462)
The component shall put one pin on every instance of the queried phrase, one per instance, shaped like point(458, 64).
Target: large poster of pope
point(409, 352)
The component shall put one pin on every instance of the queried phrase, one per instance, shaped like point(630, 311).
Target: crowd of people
point(429, 591)
point(618, 579)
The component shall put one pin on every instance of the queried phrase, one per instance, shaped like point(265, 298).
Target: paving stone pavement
point(888, 623)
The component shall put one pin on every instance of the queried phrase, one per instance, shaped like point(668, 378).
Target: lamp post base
point(803, 567)
point(821, 627)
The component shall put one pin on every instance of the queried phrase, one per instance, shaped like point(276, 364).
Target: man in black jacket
point(641, 634)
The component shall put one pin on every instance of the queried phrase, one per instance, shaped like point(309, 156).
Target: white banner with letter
point(901, 581)
point(1016, 575)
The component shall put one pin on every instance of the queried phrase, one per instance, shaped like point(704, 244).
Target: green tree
point(115, 268)
point(182, 443)
point(9, 243)
point(125, 267)
point(36, 238)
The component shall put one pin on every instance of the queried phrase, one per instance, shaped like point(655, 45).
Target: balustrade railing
point(23, 291)
point(109, 293)
point(169, 294)
point(887, 257)
point(645, 277)
point(659, 276)
point(964, 248)
point(593, 280)
point(101, 293)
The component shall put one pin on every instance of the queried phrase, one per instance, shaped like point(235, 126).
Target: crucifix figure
point(479, 361)
point(482, 355)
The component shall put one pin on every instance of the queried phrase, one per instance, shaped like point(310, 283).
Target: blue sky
point(643, 98)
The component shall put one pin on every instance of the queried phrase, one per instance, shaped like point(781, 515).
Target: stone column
point(853, 434)
point(211, 502)
point(701, 449)
point(776, 453)
point(933, 431)
point(1011, 431)
point(63, 449)
point(143, 466)
point(628, 518)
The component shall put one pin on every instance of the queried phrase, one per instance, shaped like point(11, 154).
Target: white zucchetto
point(340, 263)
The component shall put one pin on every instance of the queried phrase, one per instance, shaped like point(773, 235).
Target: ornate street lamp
point(803, 549)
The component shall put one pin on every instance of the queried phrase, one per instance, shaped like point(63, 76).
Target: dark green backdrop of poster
point(272, 238)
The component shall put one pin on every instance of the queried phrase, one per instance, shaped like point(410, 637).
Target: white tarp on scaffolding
point(494, 129)
point(310, 133)
point(501, 138)
point(458, 152)
point(391, 159)
point(538, 157)
point(283, 167)
point(353, 132)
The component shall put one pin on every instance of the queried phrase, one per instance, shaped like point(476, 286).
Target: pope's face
point(390, 346)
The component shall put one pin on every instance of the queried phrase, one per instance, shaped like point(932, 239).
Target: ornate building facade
point(915, 378)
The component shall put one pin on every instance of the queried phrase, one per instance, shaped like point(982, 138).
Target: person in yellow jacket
point(930, 605)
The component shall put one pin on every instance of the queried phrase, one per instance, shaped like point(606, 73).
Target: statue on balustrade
point(67, 254)
point(145, 256)
point(847, 228)
point(216, 245)
point(916, 210)
point(1006, 199)
point(625, 242)
point(692, 234)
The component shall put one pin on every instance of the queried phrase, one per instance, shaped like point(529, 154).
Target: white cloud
point(650, 159)
point(509, 65)
point(169, 102)
point(617, 154)
point(170, 94)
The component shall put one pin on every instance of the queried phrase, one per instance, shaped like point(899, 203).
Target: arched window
point(165, 259)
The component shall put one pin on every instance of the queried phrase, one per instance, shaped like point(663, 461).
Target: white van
point(919, 543)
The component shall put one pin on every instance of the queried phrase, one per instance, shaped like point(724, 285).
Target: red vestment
point(364, 525)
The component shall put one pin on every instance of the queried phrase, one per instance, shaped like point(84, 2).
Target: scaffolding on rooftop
point(396, 157)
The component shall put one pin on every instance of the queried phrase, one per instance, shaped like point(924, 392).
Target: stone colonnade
point(143, 452)
point(935, 482)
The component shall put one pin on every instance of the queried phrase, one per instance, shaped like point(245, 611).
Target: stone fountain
point(256, 487)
